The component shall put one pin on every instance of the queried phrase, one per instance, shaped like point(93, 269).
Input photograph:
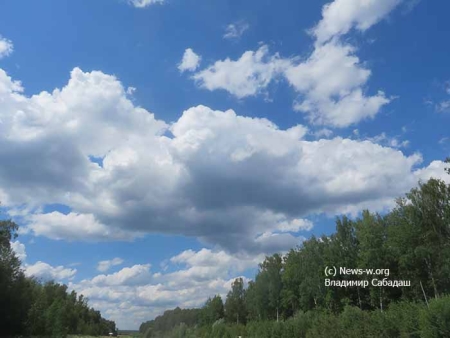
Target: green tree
point(435, 320)
point(371, 235)
point(342, 251)
point(235, 310)
point(255, 302)
point(14, 288)
point(213, 310)
point(30, 308)
point(269, 285)
point(419, 236)
point(303, 279)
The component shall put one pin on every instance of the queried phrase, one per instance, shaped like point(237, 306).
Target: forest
point(29, 307)
point(289, 296)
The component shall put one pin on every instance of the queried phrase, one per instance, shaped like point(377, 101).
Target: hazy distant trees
point(169, 320)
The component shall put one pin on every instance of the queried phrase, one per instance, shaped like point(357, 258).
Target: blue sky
point(152, 151)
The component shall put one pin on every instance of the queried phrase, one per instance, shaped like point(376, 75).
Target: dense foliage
point(289, 298)
point(30, 308)
point(171, 319)
point(402, 319)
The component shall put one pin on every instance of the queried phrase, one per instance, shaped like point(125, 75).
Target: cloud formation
point(144, 3)
point(133, 294)
point(104, 266)
point(190, 61)
point(41, 270)
point(249, 75)
point(340, 16)
point(236, 182)
point(234, 31)
point(46, 272)
point(6, 47)
point(331, 82)
point(74, 226)
point(19, 250)
point(135, 275)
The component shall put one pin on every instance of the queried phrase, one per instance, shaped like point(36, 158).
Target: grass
point(81, 336)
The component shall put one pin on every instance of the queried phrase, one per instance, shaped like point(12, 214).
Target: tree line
point(31, 308)
point(289, 297)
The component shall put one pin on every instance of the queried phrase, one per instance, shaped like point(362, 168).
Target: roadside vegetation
point(289, 297)
point(30, 308)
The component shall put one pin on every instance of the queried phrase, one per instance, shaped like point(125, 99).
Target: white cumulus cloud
point(104, 266)
point(133, 295)
point(6, 47)
point(231, 181)
point(56, 225)
point(144, 3)
point(247, 76)
point(41, 270)
point(340, 16)
point(134, 275)
point(19, 250)
point(46, 272)
point(295, 225)
point(331, 82)
point(190, 61)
